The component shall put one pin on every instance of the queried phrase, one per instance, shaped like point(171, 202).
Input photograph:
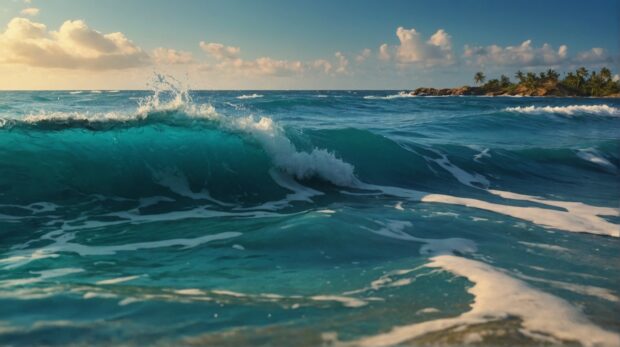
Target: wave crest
point(172, 104)
point(571, 110)
point(249, 96)
point(402, 94)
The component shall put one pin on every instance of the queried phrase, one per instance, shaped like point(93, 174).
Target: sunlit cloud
point(524, 54)
point(219, 51)
point(30, 11)
point(73, 46)
point(162, 55)
point(413, 49)
point(363, 55)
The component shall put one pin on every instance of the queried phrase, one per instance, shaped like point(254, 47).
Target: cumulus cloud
point(228, 60)
point(595, 55)
point(343, 63)
point(30, 11)
point(323, 65)
point(524, 54)
point(171, 56)
point(73, 46)
point(364, 54)
point(413, 49)
point(384, 52)
point(219, 51)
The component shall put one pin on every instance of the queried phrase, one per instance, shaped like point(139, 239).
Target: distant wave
point(389, 97)
point(250, 96)
point(76, 92)
point(567, 110)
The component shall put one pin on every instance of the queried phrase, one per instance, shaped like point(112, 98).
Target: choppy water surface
point(307, 218)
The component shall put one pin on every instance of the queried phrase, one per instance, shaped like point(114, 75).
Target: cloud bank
point(73, 46)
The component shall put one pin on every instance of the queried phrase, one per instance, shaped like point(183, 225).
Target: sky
point(291, 44)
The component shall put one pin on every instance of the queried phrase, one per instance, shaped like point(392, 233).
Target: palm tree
point(479, 77)
point(520, 76)
point(581, 73)
point(504, 81)
point(605, 73)
point(553, 75)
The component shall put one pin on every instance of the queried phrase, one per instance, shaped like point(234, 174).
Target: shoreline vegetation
point(580, 83)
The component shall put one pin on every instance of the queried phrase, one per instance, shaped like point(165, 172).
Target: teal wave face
point(259, 218)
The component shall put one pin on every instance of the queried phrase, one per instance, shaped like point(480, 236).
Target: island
point(580, 83)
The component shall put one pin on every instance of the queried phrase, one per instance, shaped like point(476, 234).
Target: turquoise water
point(358, 218)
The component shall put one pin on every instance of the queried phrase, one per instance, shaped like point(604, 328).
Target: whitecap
point(570, 110)
point(400, 95)
point(250, 96)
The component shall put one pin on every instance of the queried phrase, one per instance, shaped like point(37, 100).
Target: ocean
point(306, 218)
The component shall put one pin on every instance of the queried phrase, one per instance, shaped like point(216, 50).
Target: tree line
point(581, 82)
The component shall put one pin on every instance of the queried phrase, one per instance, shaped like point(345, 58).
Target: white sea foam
point(545, 246)
point(483, 154)
point(346, 301)
point(582, 289)
point(474, 180)
point(497, 297)
point(402, 94)
point(62, 243)
point(250, 96)
point(174, 179)
point(395, 229)
point(301, 165)
point(593, 156)
point(118, 280)
point(575, 216)
point(571, 110)
point(42, 276)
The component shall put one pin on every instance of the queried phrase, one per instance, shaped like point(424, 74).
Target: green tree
point(552, 75)
point(520, 76)
point(605, 73)
point(504, 81)
point(479, 77)
point(581, 74)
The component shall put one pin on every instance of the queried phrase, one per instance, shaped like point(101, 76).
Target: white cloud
point(343, 63)
point(437, 50)
point(527, 55)
point(73, 46)
point(219, 51)
point(30, 11)
point(364, 54)
point(228, 60)
point(384, 52)
point(595, 55)
point(522, 55)
point(171, 56)
point(324, 65)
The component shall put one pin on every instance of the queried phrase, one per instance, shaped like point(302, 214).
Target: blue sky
point(294, 35)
